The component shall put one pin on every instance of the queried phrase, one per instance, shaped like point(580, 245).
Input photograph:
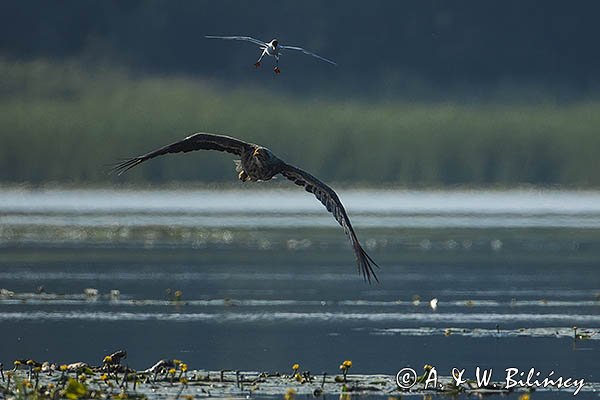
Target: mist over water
point(292, 208)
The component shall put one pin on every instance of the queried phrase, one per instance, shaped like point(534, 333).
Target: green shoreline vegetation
point(64, 121)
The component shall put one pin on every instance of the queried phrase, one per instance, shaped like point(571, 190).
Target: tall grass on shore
point(65, 121)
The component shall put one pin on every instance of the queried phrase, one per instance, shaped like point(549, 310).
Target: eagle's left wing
point(331, 201)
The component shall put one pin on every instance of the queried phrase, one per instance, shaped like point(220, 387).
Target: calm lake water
point(267, 279)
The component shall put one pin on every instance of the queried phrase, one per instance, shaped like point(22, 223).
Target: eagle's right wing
point(197, 141)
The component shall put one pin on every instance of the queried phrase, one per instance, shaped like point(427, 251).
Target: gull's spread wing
point(310, 53)
point(244, 38)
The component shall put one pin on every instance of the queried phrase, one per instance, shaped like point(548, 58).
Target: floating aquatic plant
point(74, 390)
point(344, 367)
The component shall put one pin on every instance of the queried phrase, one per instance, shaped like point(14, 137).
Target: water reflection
point(266, 278)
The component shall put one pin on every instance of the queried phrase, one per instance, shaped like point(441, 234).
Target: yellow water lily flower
point(290, 394)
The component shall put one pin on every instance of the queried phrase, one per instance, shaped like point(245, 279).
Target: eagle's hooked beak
point(256, 152)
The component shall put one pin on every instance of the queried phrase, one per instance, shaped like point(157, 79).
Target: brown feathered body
point(258, 164)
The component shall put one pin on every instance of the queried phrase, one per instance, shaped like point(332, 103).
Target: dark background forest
point(426, 92)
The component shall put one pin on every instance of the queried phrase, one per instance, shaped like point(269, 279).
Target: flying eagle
point(256, 164)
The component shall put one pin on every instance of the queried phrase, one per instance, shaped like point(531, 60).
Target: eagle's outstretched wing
point(310, 53)
point(197, 141)
point(331, 201)
point(244, 38)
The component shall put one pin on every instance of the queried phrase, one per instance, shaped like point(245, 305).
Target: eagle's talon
point(257, 64)
point(243, 176)
point(277, 70)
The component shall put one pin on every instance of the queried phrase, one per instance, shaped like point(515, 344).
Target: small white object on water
point(90, 292)
point(115, 294)
point(77, 366)
point(47, 367)
point(496, 244)
point(433, 303)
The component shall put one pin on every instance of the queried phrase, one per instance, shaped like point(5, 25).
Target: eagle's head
point(263, 154)
point(274, 43)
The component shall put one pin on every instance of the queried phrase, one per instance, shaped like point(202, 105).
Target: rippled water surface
point(267, 278)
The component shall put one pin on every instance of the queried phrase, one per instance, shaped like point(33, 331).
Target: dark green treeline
point(64, 122)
